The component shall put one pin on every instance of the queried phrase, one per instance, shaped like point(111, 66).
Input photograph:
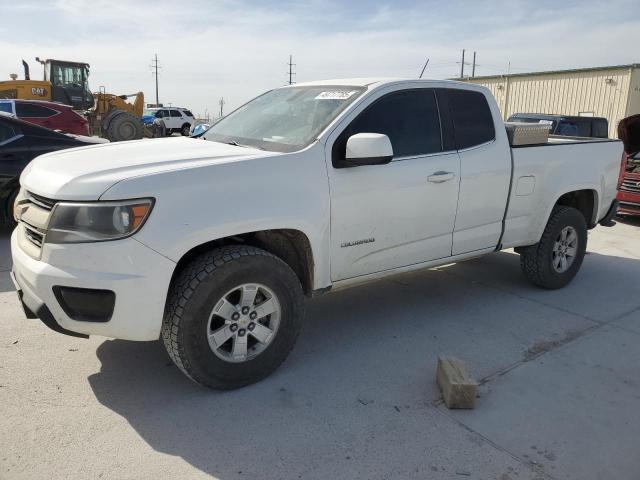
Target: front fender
point(194, 206)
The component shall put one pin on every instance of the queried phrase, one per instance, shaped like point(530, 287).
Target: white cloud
point(237, 49)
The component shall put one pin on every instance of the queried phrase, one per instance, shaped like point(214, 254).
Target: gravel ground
point(357, 398)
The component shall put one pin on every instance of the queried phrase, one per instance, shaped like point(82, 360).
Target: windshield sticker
point(335, 95)
point(545, 122)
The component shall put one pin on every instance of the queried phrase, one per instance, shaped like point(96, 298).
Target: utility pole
point(473, 69)
point(506, 94)
point(424, 68)
point(291, 73)
point(155, 67)
point(463, 63)
point(221, 103)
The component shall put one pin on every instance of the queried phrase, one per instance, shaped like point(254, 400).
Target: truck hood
point(85, 173)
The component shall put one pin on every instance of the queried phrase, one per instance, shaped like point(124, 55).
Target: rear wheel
point(232, 316)
point(185, 130)
point(124, 126)
point(555, 260)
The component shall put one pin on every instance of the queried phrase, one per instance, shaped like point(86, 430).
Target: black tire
point(169, 132)
point(195, 291)
point(536, 261)
point(8, 222)
point(124, 126)
point(185, 130)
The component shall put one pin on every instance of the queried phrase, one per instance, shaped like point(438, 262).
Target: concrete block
point(457, 387)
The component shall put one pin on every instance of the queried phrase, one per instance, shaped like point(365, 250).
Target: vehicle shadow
point(363, 366)
point(629, 220)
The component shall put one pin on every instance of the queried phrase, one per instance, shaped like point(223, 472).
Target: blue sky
point(237, 49)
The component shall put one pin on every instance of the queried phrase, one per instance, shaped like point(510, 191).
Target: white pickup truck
point(212, 243)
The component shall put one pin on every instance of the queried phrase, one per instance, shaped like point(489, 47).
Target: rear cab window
point(471, 117)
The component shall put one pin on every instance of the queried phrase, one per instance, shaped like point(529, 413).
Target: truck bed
point(561, 164)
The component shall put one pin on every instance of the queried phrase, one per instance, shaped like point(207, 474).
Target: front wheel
point(124, 126)
point(555, 260)
point(232, 317)
point(9, 221)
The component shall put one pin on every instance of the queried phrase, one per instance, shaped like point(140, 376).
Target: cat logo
point(39, 91)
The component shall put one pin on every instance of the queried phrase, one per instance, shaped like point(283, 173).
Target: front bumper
point(137, 275)
point(629, 203)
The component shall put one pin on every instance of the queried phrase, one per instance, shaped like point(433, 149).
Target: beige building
point(610, 92)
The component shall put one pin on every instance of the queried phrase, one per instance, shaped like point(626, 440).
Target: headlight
point(97, 221)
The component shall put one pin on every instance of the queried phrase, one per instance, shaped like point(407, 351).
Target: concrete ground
point(357, 398)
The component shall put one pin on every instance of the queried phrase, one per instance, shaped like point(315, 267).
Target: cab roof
point(372, 82)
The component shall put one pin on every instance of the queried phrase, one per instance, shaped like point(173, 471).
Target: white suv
point(175, 119)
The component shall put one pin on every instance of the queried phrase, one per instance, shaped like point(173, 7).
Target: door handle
point(439, 177)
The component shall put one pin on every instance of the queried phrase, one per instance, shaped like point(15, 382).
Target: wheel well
point(583, 201)
point(291, 246)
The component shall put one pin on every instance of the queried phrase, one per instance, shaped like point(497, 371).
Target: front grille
point(45, 203)
point(630, 206)
point(33, 235)
point(33, 213)
point(630, 186)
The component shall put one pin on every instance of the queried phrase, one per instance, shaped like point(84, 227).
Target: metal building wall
point(633, 104)
point(604, 92)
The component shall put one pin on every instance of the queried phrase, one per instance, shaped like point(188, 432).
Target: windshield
point(147, 112)
point(285, 119)
point(62, 74)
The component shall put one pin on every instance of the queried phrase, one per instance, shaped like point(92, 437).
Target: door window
point(6, 107)
point(162, 114)
point(175, 113)
point(409, 118)
point(29, 110)
point(6, 132)
point(472, 119)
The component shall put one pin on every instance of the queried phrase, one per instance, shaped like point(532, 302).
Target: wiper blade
point(236, 144)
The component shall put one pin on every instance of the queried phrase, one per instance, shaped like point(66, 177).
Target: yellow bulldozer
point(110, 116)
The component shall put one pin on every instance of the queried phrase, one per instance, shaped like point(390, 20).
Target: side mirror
point(368, 149)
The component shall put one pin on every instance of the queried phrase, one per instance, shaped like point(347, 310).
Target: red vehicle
point(55, 116)
point(629, 184)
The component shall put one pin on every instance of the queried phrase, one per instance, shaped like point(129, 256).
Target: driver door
point(402, 213)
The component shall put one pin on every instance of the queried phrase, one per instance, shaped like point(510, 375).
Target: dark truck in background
point(567, 125)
